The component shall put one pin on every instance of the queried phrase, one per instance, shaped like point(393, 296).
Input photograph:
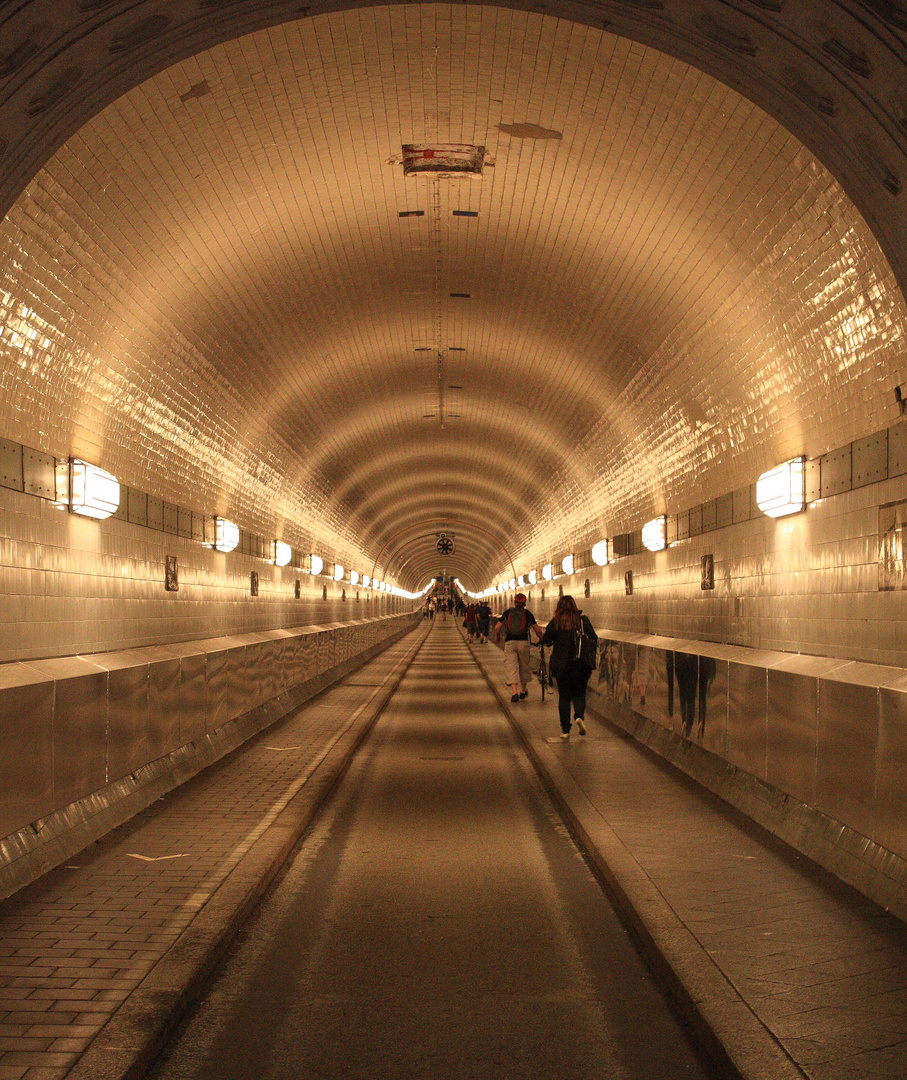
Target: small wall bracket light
point(782, 490)
point(600, 553)
point(655, 533)
point(533, 577)
point(567, 564)
point(548, 571)
point(316, 564)
point(226, 534)
point(338, 572)
point(281, 553)
point(354, 577)
point(93, 492)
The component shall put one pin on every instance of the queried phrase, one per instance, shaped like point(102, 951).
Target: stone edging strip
point(129, 1043)
point(736, 1042)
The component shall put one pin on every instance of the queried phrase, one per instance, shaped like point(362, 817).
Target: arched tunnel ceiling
point(210, 290)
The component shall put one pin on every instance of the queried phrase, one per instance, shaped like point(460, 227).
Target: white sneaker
point(565, 734)
point(580, 725)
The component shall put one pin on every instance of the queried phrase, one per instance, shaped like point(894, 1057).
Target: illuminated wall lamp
point(316, 564)
point(533, 577)
point(338, 572)
point(366, 580)
point(600, 553)
point(782, 490)
point(226, 534)
point(521, 580)
point(354, 577)
point(548, 571)
point(567, 564)
point(281, 553)
point(655, 533)
point(93, 492)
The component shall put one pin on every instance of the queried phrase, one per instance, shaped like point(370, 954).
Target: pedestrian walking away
point(575, 644)
point(469, 622)
point(483, 621)
point(516, 624)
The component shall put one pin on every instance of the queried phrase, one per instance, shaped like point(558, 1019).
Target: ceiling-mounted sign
point(445, 544)
point(443, 161)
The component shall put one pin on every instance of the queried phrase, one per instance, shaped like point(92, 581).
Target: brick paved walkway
point(77, 943)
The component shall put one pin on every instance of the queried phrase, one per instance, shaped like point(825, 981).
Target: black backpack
point(515, 621)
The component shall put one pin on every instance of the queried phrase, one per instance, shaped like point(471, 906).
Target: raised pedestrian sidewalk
point(786, 971)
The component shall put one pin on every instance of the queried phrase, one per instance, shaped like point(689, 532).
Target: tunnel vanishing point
point(423, 289)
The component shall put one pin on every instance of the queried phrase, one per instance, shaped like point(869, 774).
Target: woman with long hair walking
point(571, 670)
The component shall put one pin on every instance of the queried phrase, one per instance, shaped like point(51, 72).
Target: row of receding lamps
point(779, 492)
point(95, 493)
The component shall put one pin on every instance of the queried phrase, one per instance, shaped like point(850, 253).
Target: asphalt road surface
point(438, 924)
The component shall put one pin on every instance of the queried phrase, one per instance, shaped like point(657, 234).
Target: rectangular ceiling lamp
point(93, 492)
point(600, 553)
point(281, 553)
point(443, 161)
point(655, 533)
point(782, 490)
point(226, 534)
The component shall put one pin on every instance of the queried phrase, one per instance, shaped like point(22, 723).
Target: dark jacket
point(564, 642)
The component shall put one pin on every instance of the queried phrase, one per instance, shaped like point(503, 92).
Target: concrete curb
point(127, 1046)
point(736, 1043)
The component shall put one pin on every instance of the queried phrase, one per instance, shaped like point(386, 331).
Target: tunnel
point(349, 302)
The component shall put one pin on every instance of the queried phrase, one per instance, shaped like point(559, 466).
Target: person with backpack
point(515, 624)
point(483, 617)
point(573, 659)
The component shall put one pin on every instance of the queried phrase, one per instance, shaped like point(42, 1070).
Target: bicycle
point(542, 674)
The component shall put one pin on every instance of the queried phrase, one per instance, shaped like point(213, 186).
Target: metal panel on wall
point(164, 722)
point(11, 466)
point(712, 705)
point(26, 748)
point(846, 753)
point(891, 771)
point(193, 696)
point(870, 459)
point(791, 729)
point(837, 471)
point(747, 718)
point(127, 726)
point(80, 729)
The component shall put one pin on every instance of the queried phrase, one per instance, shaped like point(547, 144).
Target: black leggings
point(571, 690)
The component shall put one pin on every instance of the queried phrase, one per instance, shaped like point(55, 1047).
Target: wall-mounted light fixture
point(226, 534)
point(316, 564)
point(548, 571)
point(281, 553)
point(567, 564)
point(533, 577)
point(338, 572)
point(600, 553)
point(782, 490)
point(655, 533)
point(521, 580)
point(354, 577)
point(366, 581)
point(93, 492)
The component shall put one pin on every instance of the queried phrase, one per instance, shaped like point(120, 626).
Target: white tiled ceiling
point(210, 290)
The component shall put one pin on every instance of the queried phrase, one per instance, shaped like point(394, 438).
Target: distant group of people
point(573, 641)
